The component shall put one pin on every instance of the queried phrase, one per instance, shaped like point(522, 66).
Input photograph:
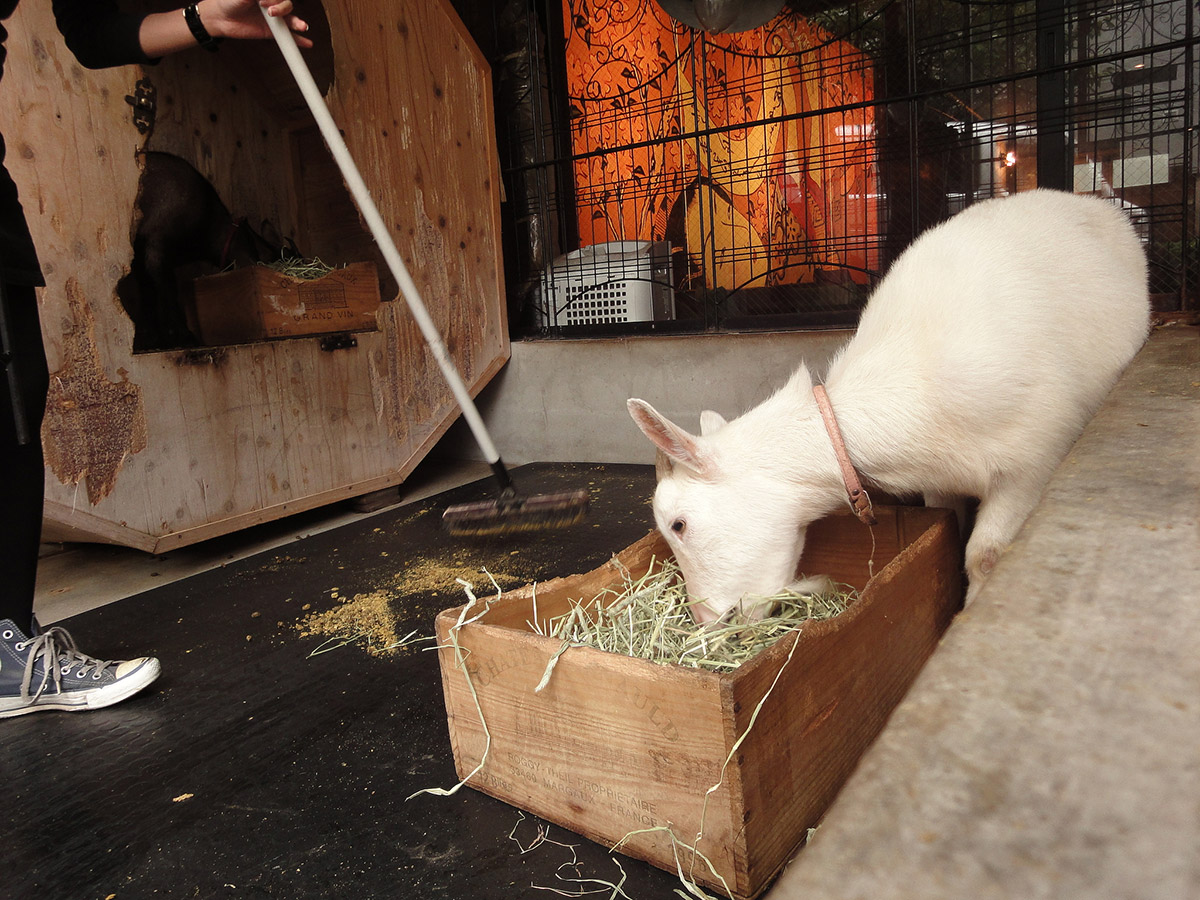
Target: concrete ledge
point(1051, 747)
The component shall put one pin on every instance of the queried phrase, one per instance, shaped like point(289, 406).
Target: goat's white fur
point(977, 362)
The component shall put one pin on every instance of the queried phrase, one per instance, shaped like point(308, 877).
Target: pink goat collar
point(859, 501)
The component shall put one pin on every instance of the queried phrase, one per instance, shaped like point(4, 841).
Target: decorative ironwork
point(715, 144)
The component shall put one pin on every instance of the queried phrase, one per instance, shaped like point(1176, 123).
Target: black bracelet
point(191, 15)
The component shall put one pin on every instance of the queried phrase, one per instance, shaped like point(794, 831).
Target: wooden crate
point(255, 302)
point(613, 745)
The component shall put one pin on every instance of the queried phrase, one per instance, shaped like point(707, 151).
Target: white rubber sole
point(81, 701)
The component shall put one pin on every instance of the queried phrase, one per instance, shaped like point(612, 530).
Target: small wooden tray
point(254, 303)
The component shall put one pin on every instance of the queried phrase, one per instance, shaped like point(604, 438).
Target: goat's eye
point(679, 526)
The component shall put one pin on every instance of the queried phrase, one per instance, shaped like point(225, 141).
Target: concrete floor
point(73, 578)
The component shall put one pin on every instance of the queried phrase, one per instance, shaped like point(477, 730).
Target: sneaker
point(47, 671)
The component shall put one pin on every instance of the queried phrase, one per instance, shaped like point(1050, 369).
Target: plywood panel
point(241, 434)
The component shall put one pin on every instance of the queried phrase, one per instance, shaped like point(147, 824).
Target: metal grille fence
point(777, 172)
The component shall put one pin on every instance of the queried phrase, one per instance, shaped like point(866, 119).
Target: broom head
point(513, 513)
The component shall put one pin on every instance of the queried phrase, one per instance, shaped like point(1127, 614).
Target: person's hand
point(240, 19)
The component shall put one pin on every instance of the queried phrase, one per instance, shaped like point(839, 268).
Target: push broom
point(511, 512)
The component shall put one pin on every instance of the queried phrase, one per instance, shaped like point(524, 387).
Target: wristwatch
point(191, 15)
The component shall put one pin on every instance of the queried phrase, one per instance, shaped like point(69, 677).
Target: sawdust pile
point(364, 618)
point(373, 619)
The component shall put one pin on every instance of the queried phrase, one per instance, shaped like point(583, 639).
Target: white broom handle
point(341, 155)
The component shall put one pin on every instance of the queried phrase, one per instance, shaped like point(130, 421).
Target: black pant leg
point(22, 486)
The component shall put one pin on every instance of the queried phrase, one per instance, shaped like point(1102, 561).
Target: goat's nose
point(702, 614)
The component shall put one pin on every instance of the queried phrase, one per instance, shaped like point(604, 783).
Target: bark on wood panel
point(68, 120)
point(92, 424)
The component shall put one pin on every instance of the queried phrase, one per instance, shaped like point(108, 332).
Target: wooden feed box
point(254, 303)
point(613, 745)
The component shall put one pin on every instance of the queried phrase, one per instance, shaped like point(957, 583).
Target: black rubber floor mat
point(254, 770)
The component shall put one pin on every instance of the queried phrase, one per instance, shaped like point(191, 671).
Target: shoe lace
point(59, 653)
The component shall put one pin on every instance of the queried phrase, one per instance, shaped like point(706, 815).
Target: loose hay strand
point(693, 889)
point(336, 642)
point(460, 662)
point(614, 890)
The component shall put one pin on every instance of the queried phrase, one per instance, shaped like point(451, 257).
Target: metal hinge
point(144, 105)
point(340, 341)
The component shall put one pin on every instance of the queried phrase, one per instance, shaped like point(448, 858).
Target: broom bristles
point(509, 515)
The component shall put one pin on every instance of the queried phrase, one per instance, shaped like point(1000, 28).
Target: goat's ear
point(711, 422)
point(674, 442)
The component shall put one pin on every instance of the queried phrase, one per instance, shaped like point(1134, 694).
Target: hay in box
point(625, 750)
point(650, 617)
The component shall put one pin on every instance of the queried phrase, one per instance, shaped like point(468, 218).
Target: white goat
point(977, 362)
